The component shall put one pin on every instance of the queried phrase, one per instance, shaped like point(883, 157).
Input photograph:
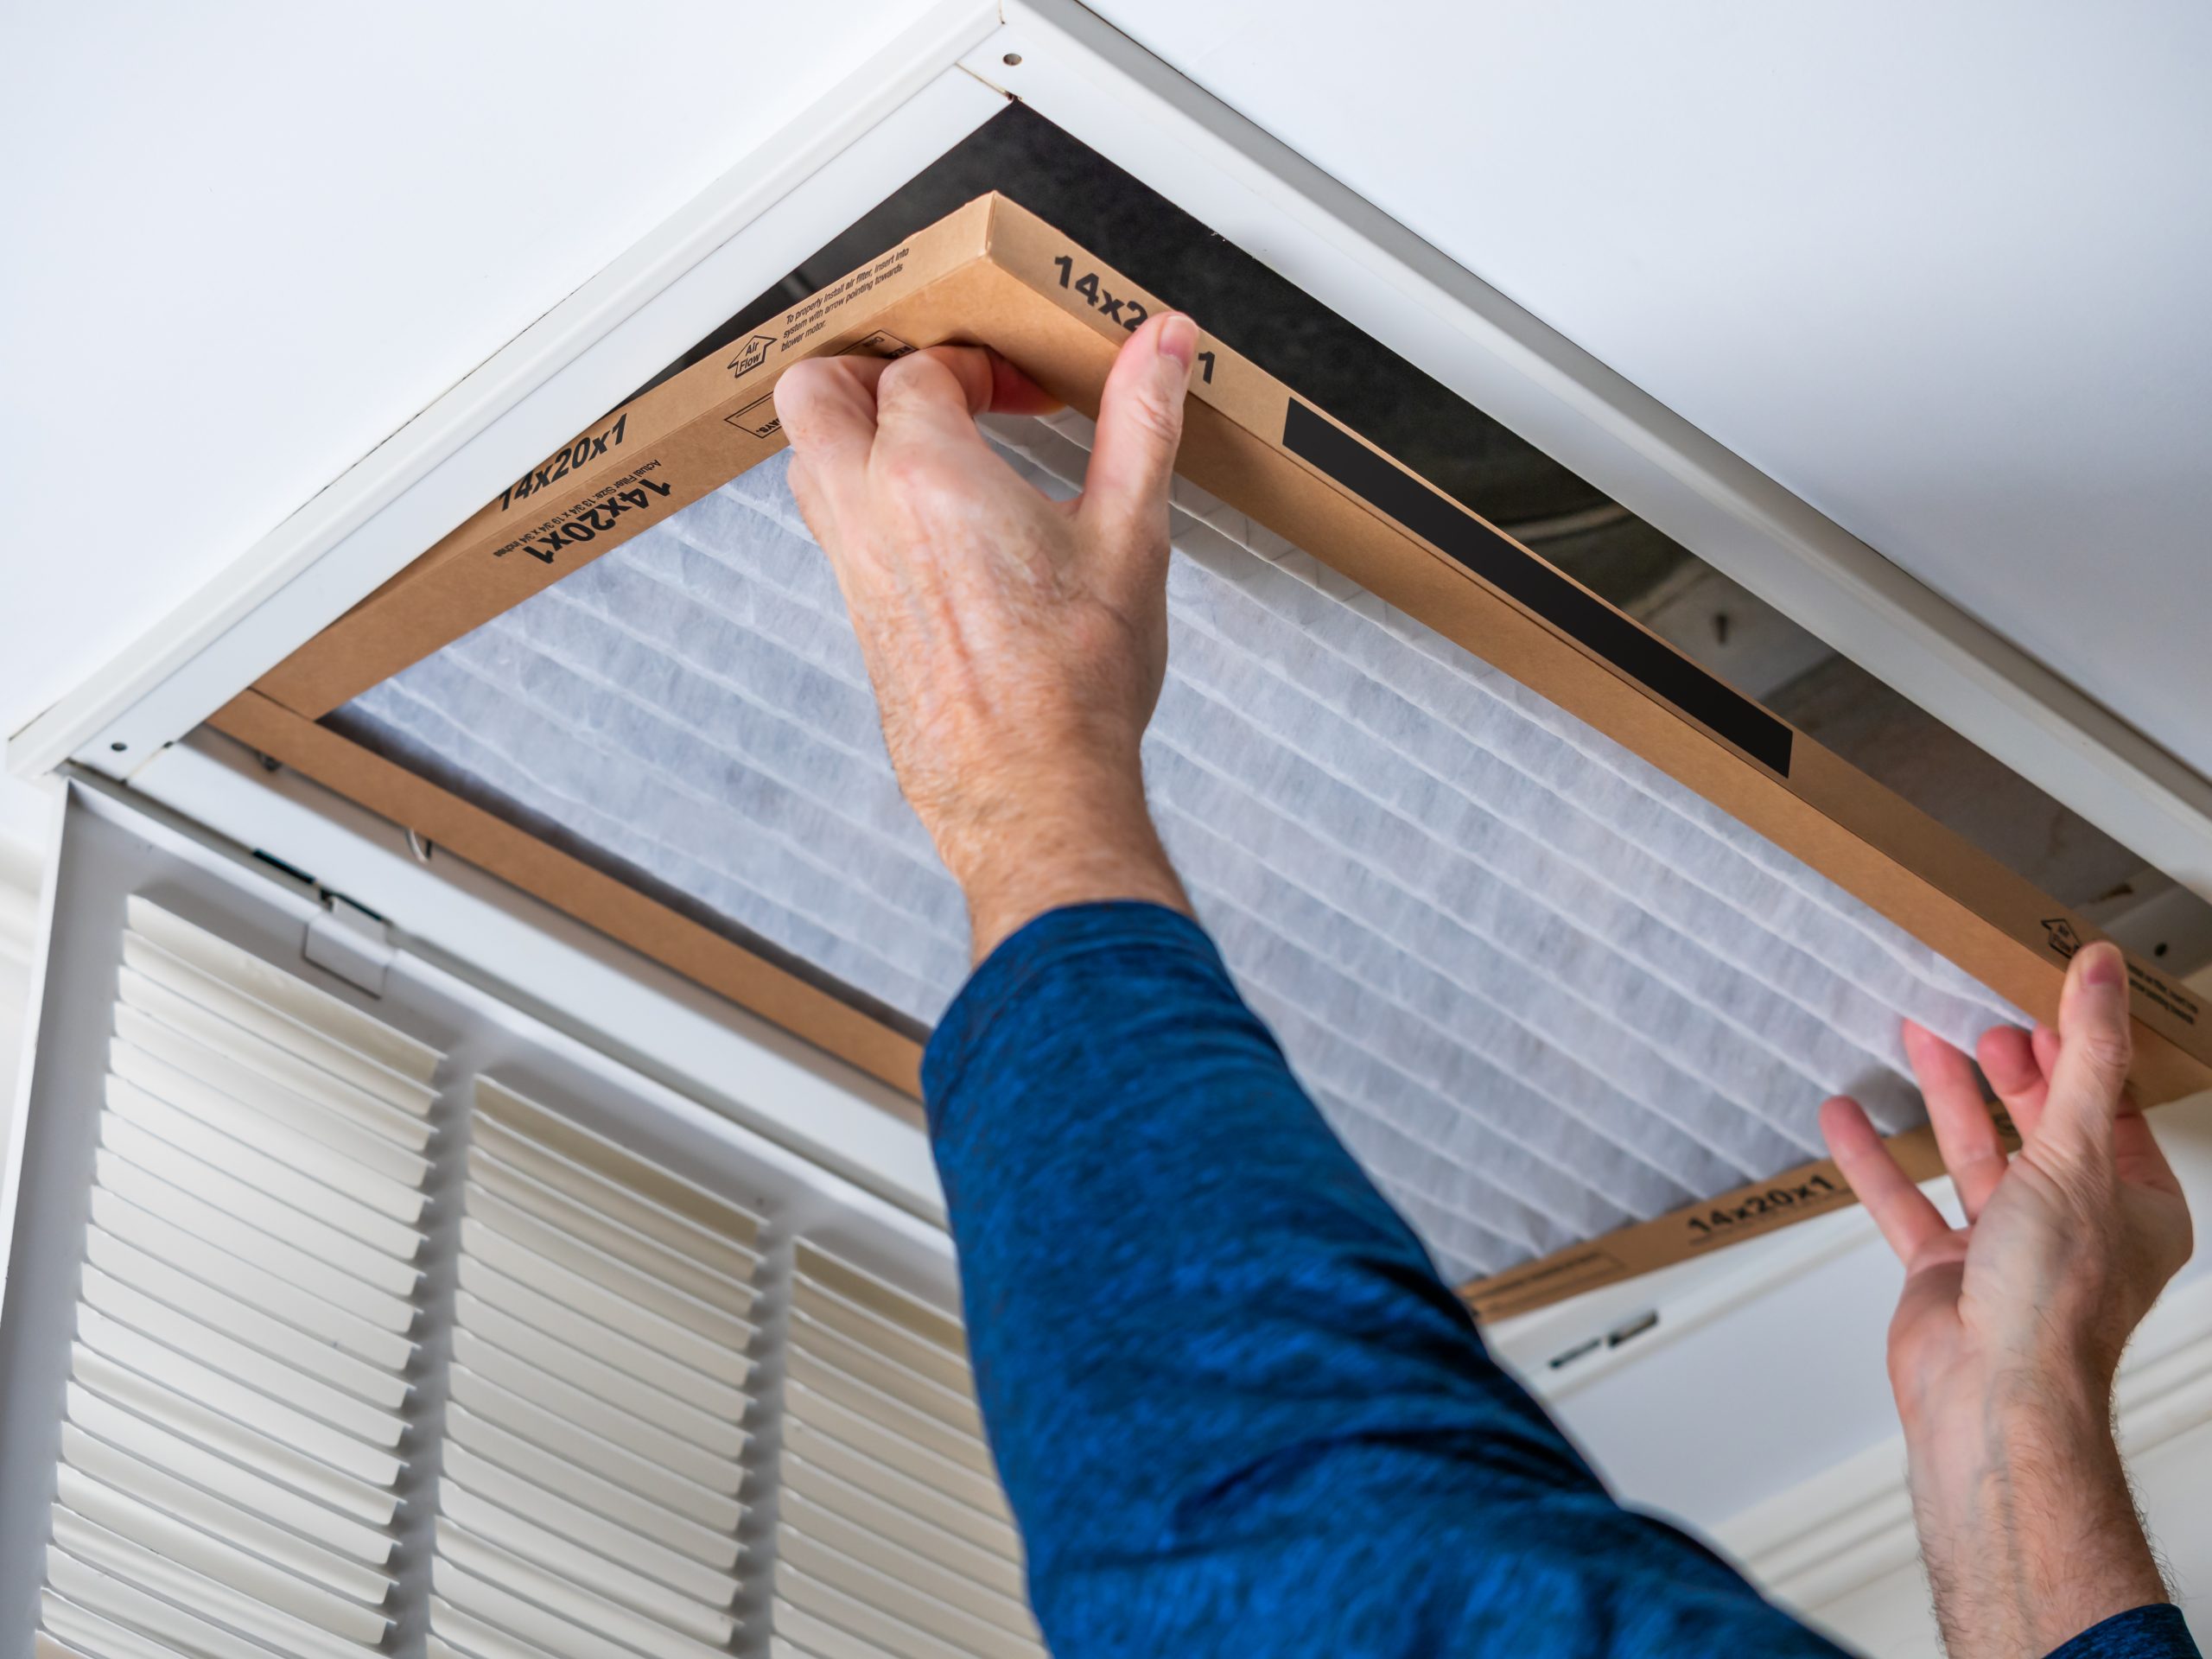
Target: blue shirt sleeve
point(2153, 1632)
point(1235, 1408)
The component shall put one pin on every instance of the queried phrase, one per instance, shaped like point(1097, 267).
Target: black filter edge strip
point(1529, 581)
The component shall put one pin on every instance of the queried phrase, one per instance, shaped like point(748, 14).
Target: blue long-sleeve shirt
point(1236, 1410)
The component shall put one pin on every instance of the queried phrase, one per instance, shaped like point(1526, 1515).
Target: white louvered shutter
point(373, 1353)
point(893, 1536)
point(595, 1437)
point(239, 1381)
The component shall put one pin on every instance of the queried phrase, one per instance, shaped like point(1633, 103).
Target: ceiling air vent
point(1539, 988)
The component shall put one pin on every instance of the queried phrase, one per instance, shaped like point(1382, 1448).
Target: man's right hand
point(2009, 1331)
point(1016, 643)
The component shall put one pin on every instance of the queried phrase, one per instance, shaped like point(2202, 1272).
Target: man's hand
point(1016, 643)
point(2009, 1331)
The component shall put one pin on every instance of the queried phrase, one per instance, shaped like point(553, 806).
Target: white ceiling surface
point(250, 239)
point(1938, 270)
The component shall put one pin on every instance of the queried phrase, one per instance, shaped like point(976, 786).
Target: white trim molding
point(28, 926)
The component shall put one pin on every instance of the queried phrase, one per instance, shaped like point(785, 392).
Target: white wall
point(20, 862)
point(1939, 270)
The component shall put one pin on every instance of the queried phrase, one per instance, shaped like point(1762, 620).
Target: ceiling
point(1933, 269)
point(264, 236)
point(1939, 270)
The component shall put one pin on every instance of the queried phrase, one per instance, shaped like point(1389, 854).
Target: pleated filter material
point(1540, 988)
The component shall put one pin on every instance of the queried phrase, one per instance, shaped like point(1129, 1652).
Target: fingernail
point(1178, 339)
point(2102, 967)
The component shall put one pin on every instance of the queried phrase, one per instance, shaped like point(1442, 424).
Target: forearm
point(1140, 1192)
point(1059, 841)
point(1235, 1408)
point(2029, 1530)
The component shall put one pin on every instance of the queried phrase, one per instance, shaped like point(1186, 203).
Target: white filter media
point(1541, 989)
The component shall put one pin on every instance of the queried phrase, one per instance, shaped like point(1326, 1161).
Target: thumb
point(1140, 424)
point(2095, 1048)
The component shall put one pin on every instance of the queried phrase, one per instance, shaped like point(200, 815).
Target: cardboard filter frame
point(994, 274)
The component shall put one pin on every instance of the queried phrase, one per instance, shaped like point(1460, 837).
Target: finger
point(2138, 1158)
point(987, 380)
point(1928, 1306)
point(1013, 393)
point(2008, 1055)
point(1139, 426)
point(926, 405)
point(2095, 1048)
point(827, 406)
point(934, 393)
point(985, 383)
point(1965, 1133)
point(2044, 1041)
point(991, 384)
point(812, 506)
point(1901, 1210)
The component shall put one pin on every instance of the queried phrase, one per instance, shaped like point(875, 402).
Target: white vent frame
point(261, 1301)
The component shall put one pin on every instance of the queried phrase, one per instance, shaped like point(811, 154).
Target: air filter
point(1541, 988)
point(1568, 936)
